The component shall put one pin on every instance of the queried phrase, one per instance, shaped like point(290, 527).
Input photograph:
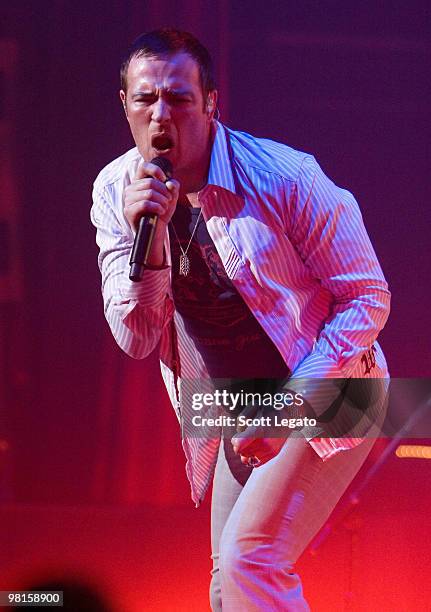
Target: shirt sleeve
point(136, 312)
point(329, 234)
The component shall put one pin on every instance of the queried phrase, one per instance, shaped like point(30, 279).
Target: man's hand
point(252, 441)
point(250, 444)
point(149, 194)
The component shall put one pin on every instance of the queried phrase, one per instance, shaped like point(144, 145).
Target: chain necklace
point(184, 258)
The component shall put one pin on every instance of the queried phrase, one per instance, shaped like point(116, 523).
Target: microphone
point(145, 234)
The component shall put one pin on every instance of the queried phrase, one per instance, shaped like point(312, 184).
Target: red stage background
point(91, 468)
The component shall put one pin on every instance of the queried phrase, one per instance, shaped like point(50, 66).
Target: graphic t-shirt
point(225, 332)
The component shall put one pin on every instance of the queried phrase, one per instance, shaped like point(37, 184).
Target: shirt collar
point(220, 172)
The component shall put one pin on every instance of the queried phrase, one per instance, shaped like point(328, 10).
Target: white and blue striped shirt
point(295, 247)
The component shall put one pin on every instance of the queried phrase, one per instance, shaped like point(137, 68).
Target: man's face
point(166, 112)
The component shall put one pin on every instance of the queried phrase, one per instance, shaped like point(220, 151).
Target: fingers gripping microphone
point(144, 236)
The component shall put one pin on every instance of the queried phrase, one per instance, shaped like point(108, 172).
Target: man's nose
point(161, 111)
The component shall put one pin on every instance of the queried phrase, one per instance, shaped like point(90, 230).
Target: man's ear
point(123, 100)
point(211, 105)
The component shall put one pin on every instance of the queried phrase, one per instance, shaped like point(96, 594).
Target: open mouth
point(162, 143)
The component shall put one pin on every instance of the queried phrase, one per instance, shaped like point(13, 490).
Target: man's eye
point(175, 99)
point(145, 99)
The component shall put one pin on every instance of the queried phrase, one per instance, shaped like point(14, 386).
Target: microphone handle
point(142, 246)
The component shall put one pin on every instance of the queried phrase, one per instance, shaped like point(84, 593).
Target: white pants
point(263, 519)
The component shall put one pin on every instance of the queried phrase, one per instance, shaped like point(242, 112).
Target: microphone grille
point(164, 164)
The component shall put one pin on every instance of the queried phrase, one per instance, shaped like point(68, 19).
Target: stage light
point(413, 451)
point(4, 446)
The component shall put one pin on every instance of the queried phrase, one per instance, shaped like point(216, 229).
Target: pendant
point(184, 265)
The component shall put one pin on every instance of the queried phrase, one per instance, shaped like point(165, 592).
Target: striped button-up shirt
point(295, 247)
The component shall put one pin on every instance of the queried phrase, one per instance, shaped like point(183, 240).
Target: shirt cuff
point(150, 291)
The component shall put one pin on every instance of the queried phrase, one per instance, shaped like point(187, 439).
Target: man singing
point(260, 270)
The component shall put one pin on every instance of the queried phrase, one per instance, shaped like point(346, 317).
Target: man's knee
point(240, 554)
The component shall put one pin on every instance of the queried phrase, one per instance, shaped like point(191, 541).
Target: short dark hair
point(167, 41)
